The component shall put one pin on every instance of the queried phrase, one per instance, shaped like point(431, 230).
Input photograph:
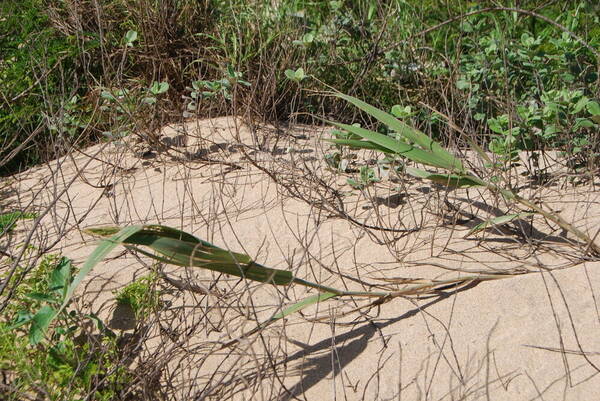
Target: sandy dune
point(270, 194)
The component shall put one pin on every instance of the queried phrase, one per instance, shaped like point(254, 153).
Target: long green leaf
point(402, 149)
point(496, 221)
point(179, 248)
point(412, 134)
point(358, 144)
point(450, 180)
point(252, 271)
point(99, 253)
point(303, 304)
point(164, 231)
point(298, 306)
point(163, 237)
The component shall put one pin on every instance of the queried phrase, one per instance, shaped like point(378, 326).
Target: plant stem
point(339, 292)
point(562, 223)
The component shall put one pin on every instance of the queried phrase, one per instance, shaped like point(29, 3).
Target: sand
point(269, 193)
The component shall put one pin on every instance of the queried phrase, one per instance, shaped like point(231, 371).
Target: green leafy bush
point(562, 119)
point(53, 353)
point(141, 295)
point(37, 65)
point(533, 85)
point(475, 69)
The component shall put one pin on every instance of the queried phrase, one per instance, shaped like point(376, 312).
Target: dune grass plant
point(411, 145)
point(173, 246)
point(522, 81)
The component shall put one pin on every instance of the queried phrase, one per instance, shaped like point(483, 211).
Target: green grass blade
point(252, 271)
point(303, 304)
point(358, 144)
point(402, 149)
point(99, 253)
point(179, 248)
point(183, 249)
point(413, 135)
point(496, 221)
point(450, 180)
point(164, 231)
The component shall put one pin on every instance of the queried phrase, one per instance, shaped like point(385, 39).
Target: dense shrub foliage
point(75, 72)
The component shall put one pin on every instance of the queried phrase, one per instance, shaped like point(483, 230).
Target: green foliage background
point(57, 57)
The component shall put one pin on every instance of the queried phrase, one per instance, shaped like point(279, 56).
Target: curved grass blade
point(450, 180)
point(99, 253)
point(179, 248)
point(450, 161)
point(402, 149)
point(496, 221)
point(358, 144)
point(164, 231)
point(251, 270)
point(303, 304)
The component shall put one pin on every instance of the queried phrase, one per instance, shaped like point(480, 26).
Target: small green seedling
point(366, 178)
point(130, 37)
point(8, 220)
point(296, 76)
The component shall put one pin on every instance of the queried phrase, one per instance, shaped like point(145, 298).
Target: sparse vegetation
point(450, 143)
point(8, 220)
